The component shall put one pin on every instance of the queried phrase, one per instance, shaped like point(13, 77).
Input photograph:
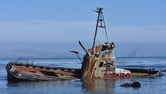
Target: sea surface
point(101, 86)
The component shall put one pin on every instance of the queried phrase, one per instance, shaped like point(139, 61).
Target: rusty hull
point(21, 71)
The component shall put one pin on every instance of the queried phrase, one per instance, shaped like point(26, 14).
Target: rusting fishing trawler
point(99, 62)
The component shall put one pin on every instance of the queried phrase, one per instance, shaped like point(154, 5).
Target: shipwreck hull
point(22, 71)
point(135, 72)
point(30, 72)
point(99, 62)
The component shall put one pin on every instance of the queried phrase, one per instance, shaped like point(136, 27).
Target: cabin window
point(101, 64)
point(117, 75)
point(104, 47)
point(97, 55)
point(110, 69)
point(110, 63)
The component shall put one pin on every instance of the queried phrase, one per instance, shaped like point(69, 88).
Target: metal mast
point(100, 24)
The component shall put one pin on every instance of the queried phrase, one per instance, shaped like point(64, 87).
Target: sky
point(53, 27)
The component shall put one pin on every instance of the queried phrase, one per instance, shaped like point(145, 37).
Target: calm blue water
point(100, 86)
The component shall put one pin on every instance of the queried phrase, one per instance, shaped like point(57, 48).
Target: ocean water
point(100, 86)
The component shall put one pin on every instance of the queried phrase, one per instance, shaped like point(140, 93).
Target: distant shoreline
point(2, 58)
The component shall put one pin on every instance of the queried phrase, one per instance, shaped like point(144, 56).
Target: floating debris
point(134, 85)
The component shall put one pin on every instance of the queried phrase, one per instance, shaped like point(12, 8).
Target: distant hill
point(137, 53)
